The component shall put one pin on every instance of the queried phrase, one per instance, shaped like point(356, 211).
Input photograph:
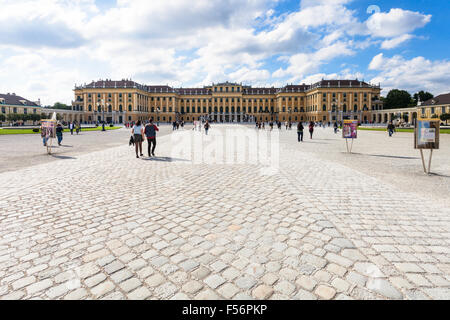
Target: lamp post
point(157, 116)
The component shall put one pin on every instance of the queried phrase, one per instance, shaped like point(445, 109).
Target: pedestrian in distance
point(59, 133)
point(207, 126)
point(311, 129)
point(77, 128)
point(335, 128)
point(44, 135)
point(71, 127)
point(391, 129)
point(300, 129)
point(150, 133)
point(138, 132)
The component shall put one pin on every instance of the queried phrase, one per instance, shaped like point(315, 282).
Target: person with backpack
point(59, 133)
point(300, 129)
point(77, 128)
point(150, 133)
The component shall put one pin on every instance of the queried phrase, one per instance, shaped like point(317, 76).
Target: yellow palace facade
point(324, 101)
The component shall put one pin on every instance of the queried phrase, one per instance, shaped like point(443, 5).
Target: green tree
point(2, 118)
point(59, 105)
point(422, 96)
point(397, 99)
point(445, 117)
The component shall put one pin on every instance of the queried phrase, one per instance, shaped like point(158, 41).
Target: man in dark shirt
point(150, 133)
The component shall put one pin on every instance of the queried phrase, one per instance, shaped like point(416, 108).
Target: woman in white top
point(138, 132)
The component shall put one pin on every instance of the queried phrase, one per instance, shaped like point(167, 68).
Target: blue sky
point(48, 46)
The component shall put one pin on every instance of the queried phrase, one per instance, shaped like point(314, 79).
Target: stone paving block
point(130, 284)
point(141, 293)
point(214, 281)
point(384, 288)
point(192, 287)
point(39, 286)
point(155, 280)
point(262, 292)
point(325, 292)
point(102, 289)
point(245, 282)
point(77, 294)
point(306, 282)
point(228, 290)
point(304, 295)
point(285, 287)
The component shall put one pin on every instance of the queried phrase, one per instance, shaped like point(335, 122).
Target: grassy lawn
point(447, 131)
point(30, 131)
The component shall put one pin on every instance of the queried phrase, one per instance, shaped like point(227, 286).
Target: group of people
point(149, 131)
point(59, 132)
point(301, 128)
point(177, 124)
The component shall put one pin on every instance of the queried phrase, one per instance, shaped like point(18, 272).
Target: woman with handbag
point(138, 132)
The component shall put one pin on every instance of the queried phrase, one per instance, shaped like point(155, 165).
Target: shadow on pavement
point(396, 157)
point(439, 175)
point(63, 157)
point(165, 159)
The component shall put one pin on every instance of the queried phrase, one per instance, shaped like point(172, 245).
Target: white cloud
point(48, 45)
point(395, 42)
point(413, 75)
point(395, 23)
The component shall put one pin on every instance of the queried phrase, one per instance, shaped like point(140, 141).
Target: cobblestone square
point(323, 224)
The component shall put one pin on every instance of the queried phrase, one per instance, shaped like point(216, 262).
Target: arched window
point(344, 108)
point(215, 108)
point(333, 108)
point(129, 108)
point(226, 109)
point(221, 109)
point(120, 108)
point(90, 107)
point(99, 109)
point(324, 108)
point(365, 108)
point(355, 108)
point(238, 109)
point(232, 109)
point(109, 108)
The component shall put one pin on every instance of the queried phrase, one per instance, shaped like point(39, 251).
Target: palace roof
point(245, 89)
point(14, 100)
point(439, 100)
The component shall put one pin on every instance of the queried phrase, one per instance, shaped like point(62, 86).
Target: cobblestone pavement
point(20, 151)
point(109, 226)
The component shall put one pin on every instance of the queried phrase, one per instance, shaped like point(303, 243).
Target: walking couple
point(150, 133)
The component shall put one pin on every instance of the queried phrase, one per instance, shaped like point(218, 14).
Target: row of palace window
point(232, 109)
point(25, 110)
point(79, 98)
point(433, 109)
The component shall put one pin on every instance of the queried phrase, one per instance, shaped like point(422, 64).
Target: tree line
point(13, 117)
point(397, 99)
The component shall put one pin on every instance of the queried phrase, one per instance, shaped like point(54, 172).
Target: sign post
point(48, 132)
point(426, 136)
point(350, 131)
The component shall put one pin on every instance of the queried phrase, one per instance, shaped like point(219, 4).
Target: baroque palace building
point(324, 101)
